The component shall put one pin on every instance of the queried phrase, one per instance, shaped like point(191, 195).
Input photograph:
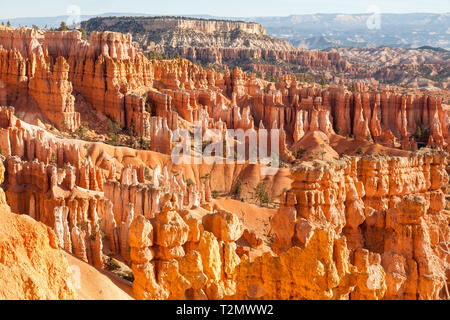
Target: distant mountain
point(434, 49)
point(319, 42)
point(317, 31)
point(397, 30)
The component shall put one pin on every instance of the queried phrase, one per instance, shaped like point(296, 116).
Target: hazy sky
point(242, 8)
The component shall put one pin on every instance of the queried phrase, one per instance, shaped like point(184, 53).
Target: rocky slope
point(410, 68)
point(95, 284)
point(217, 42)
point(234, 43)
point(32, 267)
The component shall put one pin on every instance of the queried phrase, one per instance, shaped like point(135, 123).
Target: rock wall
point(57, 182)
point(179, 256)
point(240, 101)
point(389, 215)
point(32, 267)
point(152, 97)
point(99, 70)
point(48, 180)
point(221, 43)
point(35, 81)
point(363, 228)
point(163, 23)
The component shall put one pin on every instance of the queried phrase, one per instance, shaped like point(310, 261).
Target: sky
point(223, 8)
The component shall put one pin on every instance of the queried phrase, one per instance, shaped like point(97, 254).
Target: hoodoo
point(287, 187)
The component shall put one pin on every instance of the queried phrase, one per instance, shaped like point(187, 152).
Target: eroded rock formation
point(152, 98)
point(174, 257)
point(391, 212)
point(219, 42)
point(32, 267)
point(371, 227)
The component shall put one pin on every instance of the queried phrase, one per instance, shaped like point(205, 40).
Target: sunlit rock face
point(363, 227)
point(43, 71)
point(32, 266)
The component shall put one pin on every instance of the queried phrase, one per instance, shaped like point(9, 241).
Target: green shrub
point(114, 129)
point(189, 182)
point(238, 189)
point(147, 174)
point(261, 194)
point(206, 176)
point(63, 26)
point(112, 264)
point(53, 158)
point(83, 34)
point(128, 275)
point(81, 132)
point(215, 194)
point(300, 153)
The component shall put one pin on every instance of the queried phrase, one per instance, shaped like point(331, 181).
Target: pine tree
point(63, 26)
point(323, 82)
point(83, 34)
point(238, 189)
point(261, 194)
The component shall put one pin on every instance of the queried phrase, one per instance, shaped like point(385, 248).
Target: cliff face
point(381, 210)
point(369, 228)
point(391, 211)
point(410, 68)
point(114, 78)
point(244, 57)
point(164, 23)
point(221, 43)
point(61, 63)
point(31, 80)
point(32, 267)
point(365, 228)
